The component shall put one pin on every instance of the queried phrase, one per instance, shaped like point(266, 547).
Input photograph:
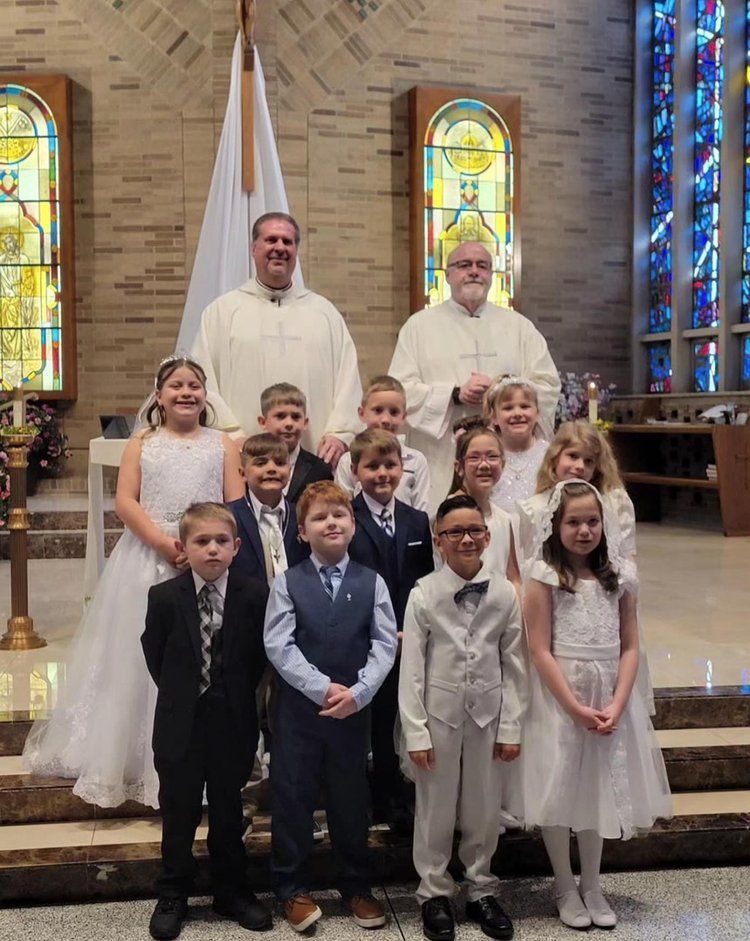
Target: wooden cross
point(281, 337)
point(477, 355)
point(245, 14)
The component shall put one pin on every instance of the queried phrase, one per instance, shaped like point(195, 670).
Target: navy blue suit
point(308, 468)
point(250, 560)
point(400, 560)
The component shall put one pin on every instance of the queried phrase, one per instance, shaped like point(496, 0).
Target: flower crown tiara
point(505, 381)
point(176, 357)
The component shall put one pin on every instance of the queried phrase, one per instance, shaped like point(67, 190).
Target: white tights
point(557, 844)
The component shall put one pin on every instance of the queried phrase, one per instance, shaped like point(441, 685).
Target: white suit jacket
point(456, 664)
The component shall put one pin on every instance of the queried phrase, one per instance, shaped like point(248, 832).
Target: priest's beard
point(473, 294)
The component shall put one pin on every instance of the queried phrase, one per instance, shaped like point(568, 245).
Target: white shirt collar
point(273, 294)
point(256, 506)
point(377, 508)
point(220, 584)
point(293, 455)
point(467, 313)
point(453, 581)
point(319, 563)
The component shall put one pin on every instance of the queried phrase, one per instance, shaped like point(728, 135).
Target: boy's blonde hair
point(264, 445)
point(383, 384)
point(501, 390)
point(202, 513)
point(384, 442)
point(282, 393)
point(586, 436)
point(326, 491)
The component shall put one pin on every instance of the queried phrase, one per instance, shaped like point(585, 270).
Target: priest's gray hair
point(270, 217)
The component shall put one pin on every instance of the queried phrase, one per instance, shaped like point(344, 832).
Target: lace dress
point(100, 730)
point(518, 479)
point(614, 784)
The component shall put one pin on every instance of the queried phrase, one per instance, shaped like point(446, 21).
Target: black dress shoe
point(400, 820)
point(166, 922)
point(438, 922)
point(246, 910)
point(490, 917)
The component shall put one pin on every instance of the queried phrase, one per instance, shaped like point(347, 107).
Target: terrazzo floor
point(673, 905)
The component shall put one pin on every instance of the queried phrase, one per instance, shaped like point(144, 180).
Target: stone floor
point(673, 905)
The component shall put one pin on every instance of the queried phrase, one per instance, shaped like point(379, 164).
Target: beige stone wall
point(151, 80)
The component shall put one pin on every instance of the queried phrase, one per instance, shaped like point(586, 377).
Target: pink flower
point(43, 463)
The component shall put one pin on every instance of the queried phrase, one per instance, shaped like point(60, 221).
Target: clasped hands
point(425, 758)
point(173, 551)
point(339, 702)
point(599, 721)
point(472, 391)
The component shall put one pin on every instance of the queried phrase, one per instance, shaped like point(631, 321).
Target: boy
point(203, 644)
point(266, 521)
point(384, 406)
point(394, 539)
point(462, 692)
point(284, 409)
point(331, 635)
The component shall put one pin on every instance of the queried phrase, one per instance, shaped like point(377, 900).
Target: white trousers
point(466, 780)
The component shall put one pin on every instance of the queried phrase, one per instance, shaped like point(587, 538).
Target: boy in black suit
point(266, 521)
point(284, 413)
point(204, 649)
point(394, 539)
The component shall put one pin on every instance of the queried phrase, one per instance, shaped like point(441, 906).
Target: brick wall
point(151, 80)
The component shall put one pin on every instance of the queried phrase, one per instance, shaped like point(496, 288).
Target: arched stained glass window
point(32, 337)
point(468, 192)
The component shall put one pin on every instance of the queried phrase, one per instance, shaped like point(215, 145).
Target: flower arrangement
point(573, 402)
point(47, 452)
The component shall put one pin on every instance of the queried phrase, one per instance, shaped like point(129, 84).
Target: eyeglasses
point(456, 535)
point(492, 458)
point(467, 265)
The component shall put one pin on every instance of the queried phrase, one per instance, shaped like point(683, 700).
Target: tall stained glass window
point(746, 196)
point(745, 364)
point(659, 367)
point(709, 84)
point(468, 193)
point(662, 140)
point(31, 336)
point(706, 365)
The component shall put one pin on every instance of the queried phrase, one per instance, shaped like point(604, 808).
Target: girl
point(591, 763)
point(511, 406)
point(100, 731)
point(477, 469)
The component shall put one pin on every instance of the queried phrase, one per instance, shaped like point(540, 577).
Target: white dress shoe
point(596, 905)
point(572, 911)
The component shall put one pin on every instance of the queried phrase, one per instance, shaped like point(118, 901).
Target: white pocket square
point(417, 543)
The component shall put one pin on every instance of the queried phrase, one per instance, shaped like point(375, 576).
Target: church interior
point(606, 169)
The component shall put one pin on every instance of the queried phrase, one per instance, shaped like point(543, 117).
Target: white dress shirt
point(376, 510)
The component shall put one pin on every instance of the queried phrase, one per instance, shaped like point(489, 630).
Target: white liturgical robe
point(253, 337)
point(438, 348)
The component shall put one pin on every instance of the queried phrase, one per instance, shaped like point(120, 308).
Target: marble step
point(59, 543)
point(119, 858)
point(696, 707)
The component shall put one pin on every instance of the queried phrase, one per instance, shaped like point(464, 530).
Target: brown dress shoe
point(301, 912)
point(366, 911)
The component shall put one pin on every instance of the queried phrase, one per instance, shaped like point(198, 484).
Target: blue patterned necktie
point(386, 522)
point(206, 613)
point(328, 571)
point(471, 588)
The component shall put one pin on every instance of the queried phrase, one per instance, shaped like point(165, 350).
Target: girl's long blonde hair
point(587, 437)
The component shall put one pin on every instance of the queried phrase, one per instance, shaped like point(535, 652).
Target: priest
point(447, 357)
point(270, 331)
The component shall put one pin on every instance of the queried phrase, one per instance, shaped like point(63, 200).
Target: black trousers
point(310, 752)
point(211, 761)
point(387, 782)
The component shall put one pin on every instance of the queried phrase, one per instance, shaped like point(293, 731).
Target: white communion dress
point(100, 730)
point(614, 784)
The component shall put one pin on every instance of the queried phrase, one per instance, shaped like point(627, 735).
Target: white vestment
point(253, 337)
point(438, 348)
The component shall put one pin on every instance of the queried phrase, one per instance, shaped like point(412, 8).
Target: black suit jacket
point(250, 560)
point(171, 644)
point(413, 550)
point(307, 469)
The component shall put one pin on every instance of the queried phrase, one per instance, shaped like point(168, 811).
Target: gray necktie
point(206, 612)
point(386, 522)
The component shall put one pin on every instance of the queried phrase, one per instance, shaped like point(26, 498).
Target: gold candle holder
point(20, 634)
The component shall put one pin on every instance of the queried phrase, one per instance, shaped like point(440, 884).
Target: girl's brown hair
point(155, 414)
point(465, 431)
point(554, 553)
point(584, 435)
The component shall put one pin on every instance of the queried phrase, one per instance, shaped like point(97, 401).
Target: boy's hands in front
point(502, 752)
point(424, 759)
point(339, 702)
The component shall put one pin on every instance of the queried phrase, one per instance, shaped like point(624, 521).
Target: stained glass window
point(662, 145)
point(468, 187)
point(31, 347)
point(659, 367)
point(709, 84)
point(745, 365)
point(706, 365)
point(746, 198)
